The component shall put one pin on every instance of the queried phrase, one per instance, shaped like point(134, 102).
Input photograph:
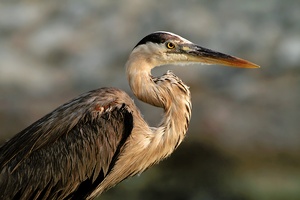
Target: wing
point(68, 152)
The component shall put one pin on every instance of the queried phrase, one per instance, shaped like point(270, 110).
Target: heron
point(91, 143)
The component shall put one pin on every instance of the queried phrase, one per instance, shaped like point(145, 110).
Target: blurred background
point(244, 138)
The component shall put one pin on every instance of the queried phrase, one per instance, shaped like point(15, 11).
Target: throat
point(143, 86)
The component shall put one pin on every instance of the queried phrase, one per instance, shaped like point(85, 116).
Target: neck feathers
point(167, 92)
point(177, 106)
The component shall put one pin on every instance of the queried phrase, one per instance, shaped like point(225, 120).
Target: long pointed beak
point(197, 53)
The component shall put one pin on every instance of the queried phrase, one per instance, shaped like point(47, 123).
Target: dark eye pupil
point(170, 45)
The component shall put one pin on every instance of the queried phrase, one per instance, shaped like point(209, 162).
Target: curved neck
point(141, 82)
point(168, 92)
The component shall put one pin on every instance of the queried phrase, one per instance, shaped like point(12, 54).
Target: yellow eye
point(170, 45)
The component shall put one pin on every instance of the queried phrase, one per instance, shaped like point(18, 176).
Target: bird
point(91, 143)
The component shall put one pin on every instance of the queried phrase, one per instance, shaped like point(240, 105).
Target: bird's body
point(98, 139)
point(64, 158)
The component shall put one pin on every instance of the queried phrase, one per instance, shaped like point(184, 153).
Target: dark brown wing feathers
point(69, 151)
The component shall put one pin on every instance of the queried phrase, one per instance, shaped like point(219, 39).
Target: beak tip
point(244, 63)
point(252, 65)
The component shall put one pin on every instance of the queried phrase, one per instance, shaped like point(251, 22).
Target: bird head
point(162, 48)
